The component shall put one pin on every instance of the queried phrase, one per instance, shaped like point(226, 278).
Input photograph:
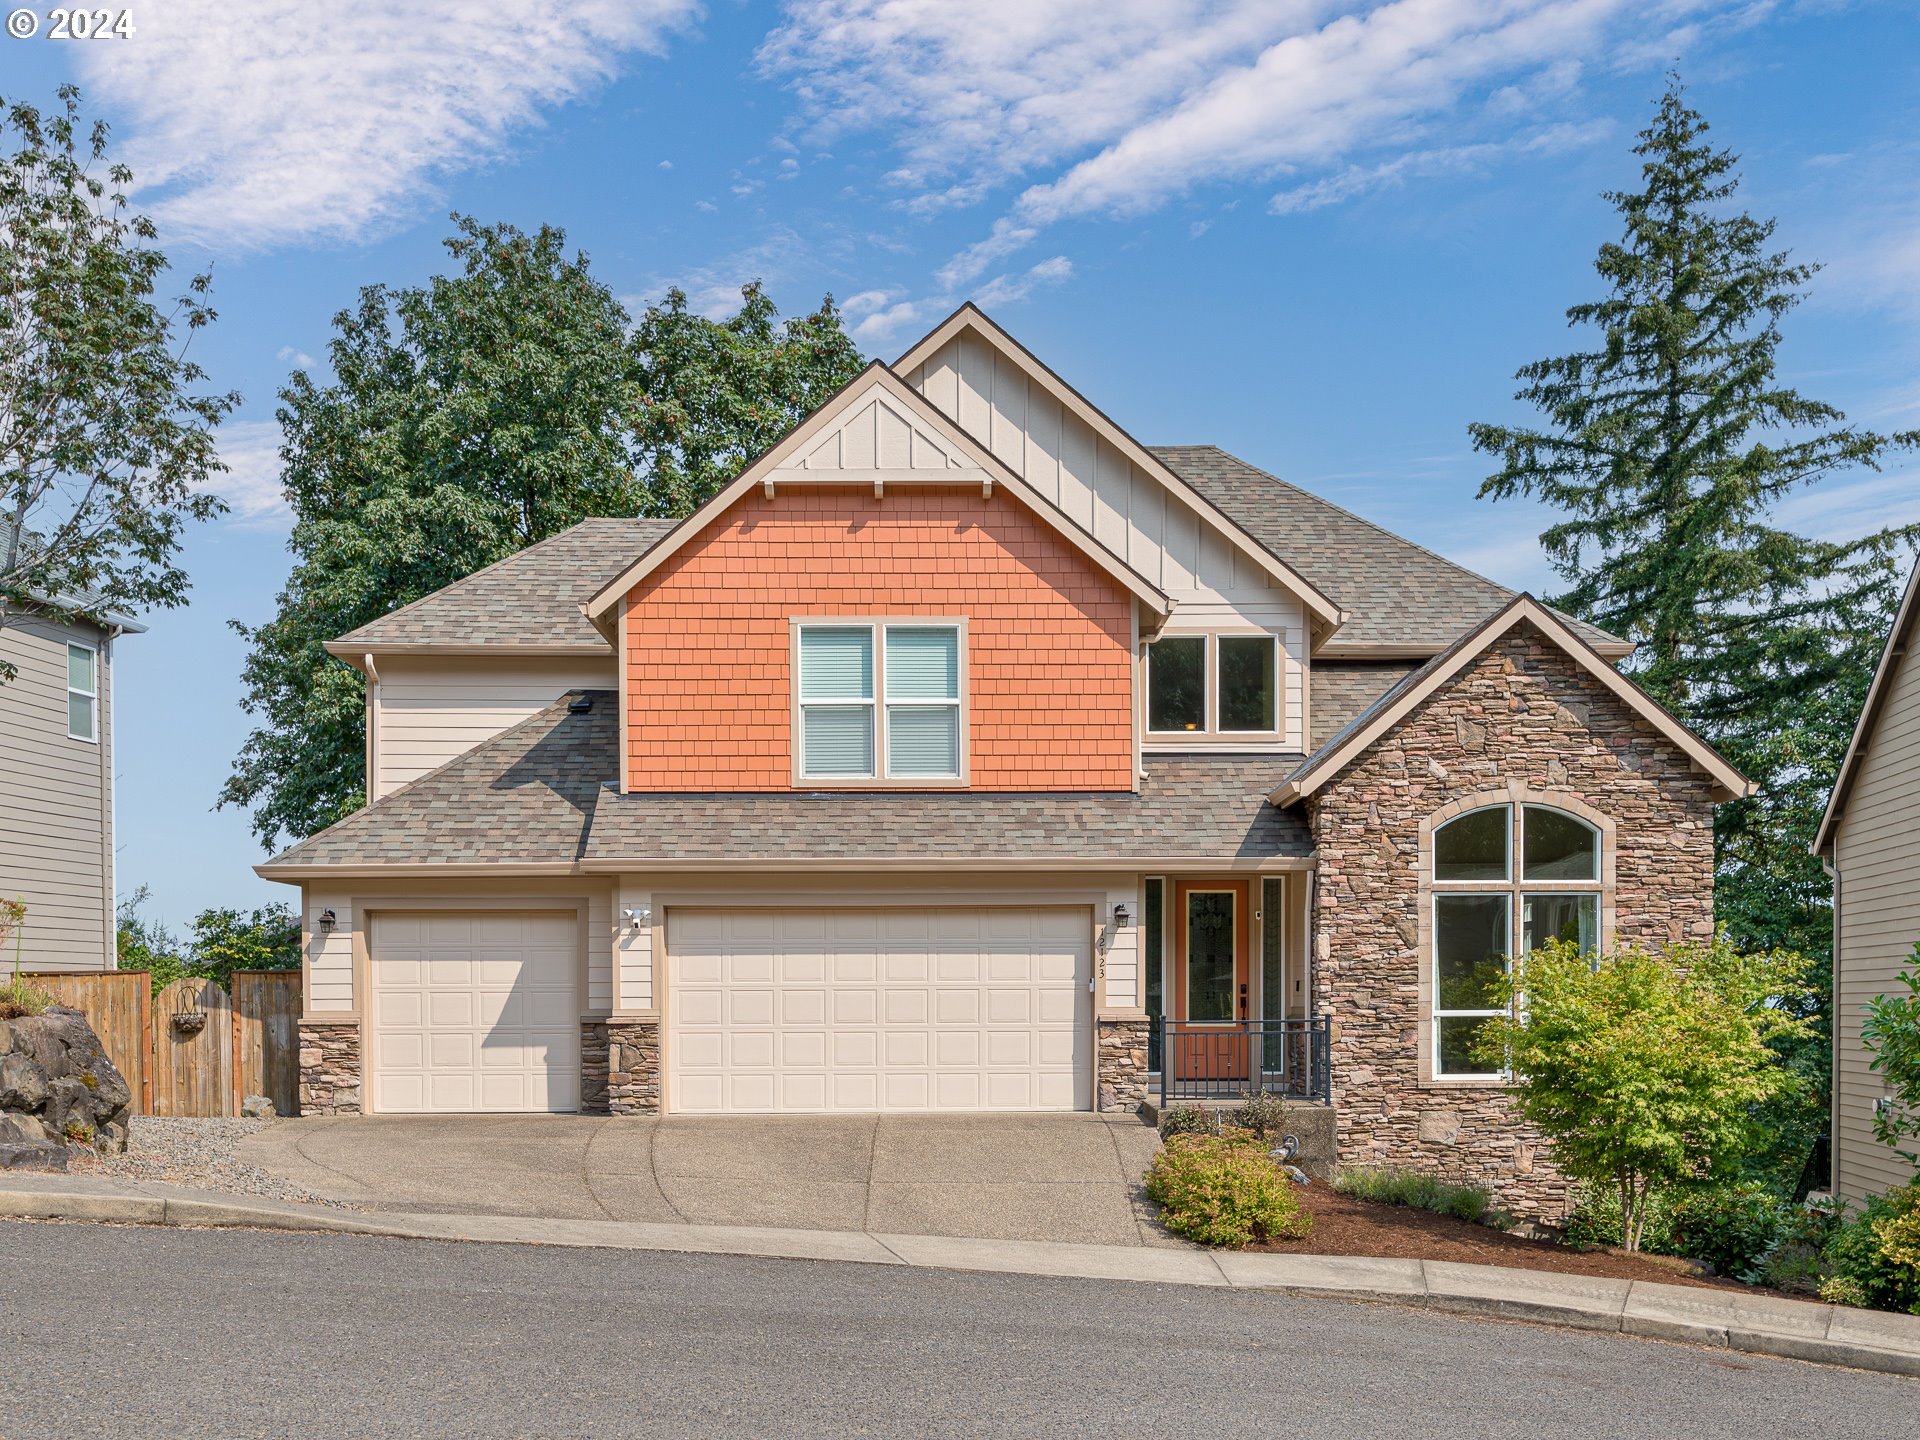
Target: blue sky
point(1320, 235)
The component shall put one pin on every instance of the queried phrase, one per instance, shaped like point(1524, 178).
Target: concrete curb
point(1727, 1319)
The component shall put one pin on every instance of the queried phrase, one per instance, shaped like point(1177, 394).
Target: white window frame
point(1515, 889)
point(882, 776)
point(1210, 729)
point(93, 695)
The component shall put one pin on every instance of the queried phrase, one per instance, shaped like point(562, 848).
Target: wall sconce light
point(327, 921)
point(1121, 919)
point(638, 917)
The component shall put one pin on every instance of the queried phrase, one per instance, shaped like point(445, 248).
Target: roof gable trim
point(971, 316)
point(976, 465)
point(1399, 703)
point(1896, 649)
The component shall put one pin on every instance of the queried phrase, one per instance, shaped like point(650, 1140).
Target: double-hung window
point(1483, 901)
point(880, 702)
point(1219, 685)
point(83, 692)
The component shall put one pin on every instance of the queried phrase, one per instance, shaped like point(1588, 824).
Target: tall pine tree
point(1667, 445)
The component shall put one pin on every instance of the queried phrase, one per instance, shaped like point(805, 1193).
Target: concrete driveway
point(1012, 1177)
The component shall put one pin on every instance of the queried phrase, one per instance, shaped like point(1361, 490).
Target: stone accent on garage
point(1120, 1065)
point(330, 1074)
point(633, 1067)
point(1525, 719)
point(595, 1062)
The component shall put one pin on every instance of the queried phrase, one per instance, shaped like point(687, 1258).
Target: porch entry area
point(1227, 998)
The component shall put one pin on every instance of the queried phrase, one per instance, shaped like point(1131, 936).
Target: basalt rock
point(57, 1089)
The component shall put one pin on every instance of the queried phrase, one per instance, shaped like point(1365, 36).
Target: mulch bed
point(1343, 1225)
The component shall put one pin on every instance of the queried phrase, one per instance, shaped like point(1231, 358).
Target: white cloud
point(1110, 107)
point(250, 449)
point(294, 356)
point(282, 120)
point(1359, 179)
point(1011, 289)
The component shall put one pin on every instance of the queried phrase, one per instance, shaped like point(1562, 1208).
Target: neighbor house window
point(1483, 902)
point(1213, 684)
point(83, 692)
point(880, 701)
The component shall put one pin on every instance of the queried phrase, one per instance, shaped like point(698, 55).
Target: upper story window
point(83, 692)
point(880, 702)
point(1213, 685)
point(1483, 900)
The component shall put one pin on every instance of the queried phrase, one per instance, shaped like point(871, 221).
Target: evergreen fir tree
point(1667, 445)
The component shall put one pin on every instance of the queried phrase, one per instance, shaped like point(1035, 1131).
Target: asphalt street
point(125, 1331)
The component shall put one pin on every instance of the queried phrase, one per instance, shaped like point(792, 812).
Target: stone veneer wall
point(633, 1061)
point(594, 1064)
point(1120, 1066)
point(330, 1067)
point(1522, 712)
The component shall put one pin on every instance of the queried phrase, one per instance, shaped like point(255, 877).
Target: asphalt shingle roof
point(1394, 591)
point(535, 793)
point(533, 597)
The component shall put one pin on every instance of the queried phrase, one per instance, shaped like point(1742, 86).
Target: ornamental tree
point(1642, 1067)
point(106, 436)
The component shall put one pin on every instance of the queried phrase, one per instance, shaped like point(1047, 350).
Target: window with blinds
point(880, 701)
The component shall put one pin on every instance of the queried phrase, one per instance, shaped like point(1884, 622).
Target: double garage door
point(963, 1008)
point(767, 1010)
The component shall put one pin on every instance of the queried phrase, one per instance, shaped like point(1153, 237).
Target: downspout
point(1833, 1045)
point(373, 722)
point(108, 807)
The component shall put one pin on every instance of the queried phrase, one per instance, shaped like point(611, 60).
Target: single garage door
point(882, 1009)
point(474, 1012)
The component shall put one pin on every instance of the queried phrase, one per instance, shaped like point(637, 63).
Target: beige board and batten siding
point(1876, 846)
point(425, 710)
point(1216, 586)
point(335, 959)
point(56, 800)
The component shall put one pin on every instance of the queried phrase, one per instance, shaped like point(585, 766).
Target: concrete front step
point(1311, 1122)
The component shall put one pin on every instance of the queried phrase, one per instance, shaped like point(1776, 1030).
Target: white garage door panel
point(908, 1009)
point(477, 1012)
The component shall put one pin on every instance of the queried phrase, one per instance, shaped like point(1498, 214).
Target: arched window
point(1484, 901)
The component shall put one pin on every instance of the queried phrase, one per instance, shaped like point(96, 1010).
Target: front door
point(1210, 977)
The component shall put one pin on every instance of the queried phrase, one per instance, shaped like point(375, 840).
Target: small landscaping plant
point(1420, 1192)
point(1594, 1220)
point(1731, 1227)
point(1190, 1120)
point(1892, 1036)
point(1225, 1190)
point(19, 999)
point(1874, 1258)
point(1264, 1113)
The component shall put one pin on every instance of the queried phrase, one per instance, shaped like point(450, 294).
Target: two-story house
point(56, 786)
point(966, 754)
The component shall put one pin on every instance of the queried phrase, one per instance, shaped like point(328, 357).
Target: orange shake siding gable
point(709, 635)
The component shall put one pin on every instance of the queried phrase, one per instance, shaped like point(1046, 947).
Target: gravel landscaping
point(202, 1153)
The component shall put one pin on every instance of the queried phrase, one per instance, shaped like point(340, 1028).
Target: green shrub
point(1731, 1227)
point(1225, 1190)
point(1264, 1113)
point(1595, 1219)
point(1190, 1120)
point(18, 999)
point(1838, 1290)
point(1877, 1252)
point(1420, 1192)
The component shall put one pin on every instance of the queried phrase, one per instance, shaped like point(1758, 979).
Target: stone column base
point(633, 1067)
point(1120, 1065)
point(593, 1067)
point(330, 1077)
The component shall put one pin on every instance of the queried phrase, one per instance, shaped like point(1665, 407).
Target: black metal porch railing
point(1225, 1062)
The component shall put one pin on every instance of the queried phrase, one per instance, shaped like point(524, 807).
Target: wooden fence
point(192, 1049)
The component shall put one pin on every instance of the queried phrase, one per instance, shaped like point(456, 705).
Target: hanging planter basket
point(190, 1022)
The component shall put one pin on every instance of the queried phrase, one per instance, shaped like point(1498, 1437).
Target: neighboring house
point(966, 754)
point(1870, 841)
point(56, 787)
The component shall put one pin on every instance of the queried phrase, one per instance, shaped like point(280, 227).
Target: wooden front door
point(1212, 920)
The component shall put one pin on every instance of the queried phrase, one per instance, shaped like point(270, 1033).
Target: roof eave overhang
point(299, 874)
point(1328, 615)
point(1899, 643)
point(355, 652)
point(600, 607)
point(1729, 783)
